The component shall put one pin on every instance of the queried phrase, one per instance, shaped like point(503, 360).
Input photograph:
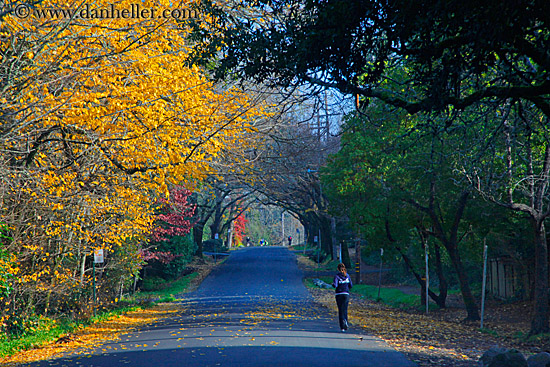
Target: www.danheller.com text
point(134, 11)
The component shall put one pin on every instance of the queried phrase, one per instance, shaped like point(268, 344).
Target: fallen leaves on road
point(277, 310)
point(441, 338)
point(85, 339)
point(426, 342)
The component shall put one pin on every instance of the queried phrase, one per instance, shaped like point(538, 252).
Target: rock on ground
point(539, 360)
point(501, 357)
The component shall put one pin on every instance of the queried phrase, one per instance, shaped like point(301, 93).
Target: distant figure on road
point(247, 241)
point(262, 242)
point(342, 283)
point(289, 240)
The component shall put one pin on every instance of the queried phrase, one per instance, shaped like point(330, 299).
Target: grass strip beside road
point(169, 293)
point(389, 296)
point(50, 338)
point(81, 339)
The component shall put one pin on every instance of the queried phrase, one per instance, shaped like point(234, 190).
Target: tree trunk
point(198, 232)
point(438, 299)
point(539, 323)
point(215, 227)
point(307, 234)
point(469, 300)
point(345, 255)
point(333, 238)
point(326, 236)
point(121, 288)
point(443, 286)
point(450, 243)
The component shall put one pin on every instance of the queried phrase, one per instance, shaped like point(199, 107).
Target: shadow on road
point(251, 311)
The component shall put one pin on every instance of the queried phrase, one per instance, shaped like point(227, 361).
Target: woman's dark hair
point(342, 269)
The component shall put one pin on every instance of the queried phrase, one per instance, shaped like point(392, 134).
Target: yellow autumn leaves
point(83, 340)
point(99, 117)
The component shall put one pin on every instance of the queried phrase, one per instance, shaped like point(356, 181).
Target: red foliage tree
point(239, 227)
point(175, 214)
point(161, 256)
point(173, 220)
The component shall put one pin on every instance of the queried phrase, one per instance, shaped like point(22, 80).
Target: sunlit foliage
point(99, 117)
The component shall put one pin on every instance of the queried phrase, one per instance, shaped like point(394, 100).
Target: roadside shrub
point(214, 245)
point(181, 249)
point(153, 283)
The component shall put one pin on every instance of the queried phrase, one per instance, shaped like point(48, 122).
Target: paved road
point(251, 311)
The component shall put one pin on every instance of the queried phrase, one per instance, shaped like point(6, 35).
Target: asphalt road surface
point(253, 310)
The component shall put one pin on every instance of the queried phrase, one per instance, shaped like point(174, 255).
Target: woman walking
point(342, 283)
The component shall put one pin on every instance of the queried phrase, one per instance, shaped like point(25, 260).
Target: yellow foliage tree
point(99, 115)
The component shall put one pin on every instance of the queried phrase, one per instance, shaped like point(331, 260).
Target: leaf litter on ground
point(442, 337)
point(86, 338)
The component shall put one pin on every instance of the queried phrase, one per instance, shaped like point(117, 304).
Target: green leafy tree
point(402, 181)
point(182, 250)
point(509, 164)
point(458, 53)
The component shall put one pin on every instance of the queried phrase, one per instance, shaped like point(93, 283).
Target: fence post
point(380, 273)
point(484, 280)
point(93, 291)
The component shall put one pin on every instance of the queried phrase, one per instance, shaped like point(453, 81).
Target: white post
point(229, 237)
point(380, 273)
point(283, 225)
point(484, 280)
